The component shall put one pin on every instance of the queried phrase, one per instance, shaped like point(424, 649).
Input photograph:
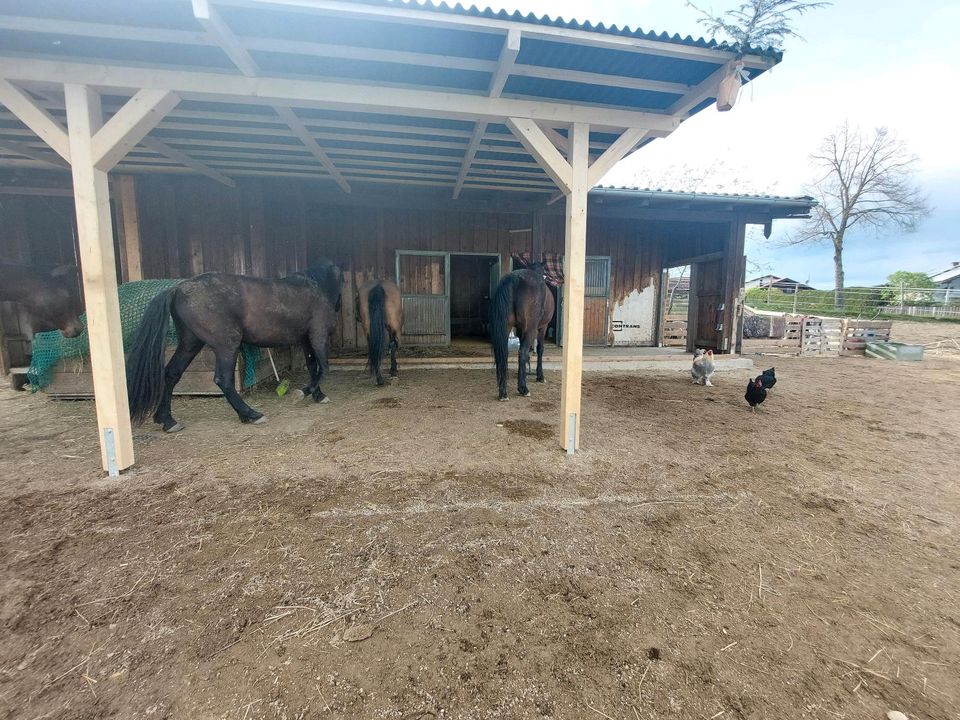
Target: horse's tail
point(145, 360)
point(499, 332)
point(376, 299)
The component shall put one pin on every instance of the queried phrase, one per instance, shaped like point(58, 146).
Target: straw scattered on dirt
point(423, 551)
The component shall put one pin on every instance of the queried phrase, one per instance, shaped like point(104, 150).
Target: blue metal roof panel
point(361, 32)
point(585, 93)
point(374, 71)
point(559, 22)
point(647, 66)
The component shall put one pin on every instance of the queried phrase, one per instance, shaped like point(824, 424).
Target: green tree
point(757, 23)
point(866, 182)
point(904, 285)
point(910, 279)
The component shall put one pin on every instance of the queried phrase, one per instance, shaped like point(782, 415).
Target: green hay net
point(49, 348)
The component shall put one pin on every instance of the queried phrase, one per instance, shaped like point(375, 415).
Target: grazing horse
point(51, 298)
point(522, 301)
point(223, 311)
point(381, 311)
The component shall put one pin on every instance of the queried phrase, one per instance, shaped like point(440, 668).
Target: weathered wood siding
point(272, 227)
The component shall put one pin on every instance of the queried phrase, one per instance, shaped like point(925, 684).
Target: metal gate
point(596, 303)
point(424, 282)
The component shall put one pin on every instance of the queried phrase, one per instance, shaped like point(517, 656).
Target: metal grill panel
point(425, 315)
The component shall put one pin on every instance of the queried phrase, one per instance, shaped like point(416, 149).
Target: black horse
point(522, 301)
point(223, 311)
point(50, 299)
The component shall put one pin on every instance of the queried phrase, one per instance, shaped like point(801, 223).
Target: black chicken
point(768, 378)
point(756, 393)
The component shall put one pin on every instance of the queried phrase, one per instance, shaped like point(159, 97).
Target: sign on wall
point(634, 318)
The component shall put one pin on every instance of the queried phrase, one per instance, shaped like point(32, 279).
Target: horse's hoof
point(324, 399)
point(525, 394)
point(381, 382)
point(176, 427)
point(298, 395)
point(503, 399)
point(259, 421)
point(541, 380)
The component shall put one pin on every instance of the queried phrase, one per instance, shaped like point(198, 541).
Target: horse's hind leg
point(376, 368)
point(540, 337)
point(224, 377)
point(394, 344)
point(319, 339)
point(312, 367)
point(188, 345)
point(524, 359)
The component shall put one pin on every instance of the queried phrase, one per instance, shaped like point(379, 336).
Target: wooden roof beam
point(300, 130)
point(223, 36)
point(39, 155)
point(129, 125)
point(221, 33)
point(505, 64)
point(620, 148)
point(161, 148)
point(31, 114)
point(296, 92)
point(698, 93)
point(240, 47)
point(543, 150)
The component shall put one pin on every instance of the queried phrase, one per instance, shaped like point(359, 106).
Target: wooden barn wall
point(638, 249)
point(272, 227)
point(34, 230)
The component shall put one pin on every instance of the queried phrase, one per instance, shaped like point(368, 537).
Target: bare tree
point(866, 181)
point(757, 23)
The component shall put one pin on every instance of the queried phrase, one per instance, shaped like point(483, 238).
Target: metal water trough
point(894, 351)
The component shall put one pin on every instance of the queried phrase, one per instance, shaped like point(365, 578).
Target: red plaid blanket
point(552, 263)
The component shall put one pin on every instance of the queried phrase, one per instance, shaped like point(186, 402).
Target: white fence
point(931, 311)
point(861, 302)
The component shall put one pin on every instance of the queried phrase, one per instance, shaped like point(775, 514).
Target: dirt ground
point(423, 551)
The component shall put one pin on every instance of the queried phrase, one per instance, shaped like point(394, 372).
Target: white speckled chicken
point(703, 367)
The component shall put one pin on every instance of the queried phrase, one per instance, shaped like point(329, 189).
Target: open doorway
point(676, 307)
point(473, 280)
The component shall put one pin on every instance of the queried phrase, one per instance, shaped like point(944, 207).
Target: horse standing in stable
point(380, 308)
point(524, 302)
point(223, 311)
point(50, 298)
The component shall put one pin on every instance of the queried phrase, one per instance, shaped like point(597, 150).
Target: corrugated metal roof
point(760, 208)
point(559, 22)
point(365, 43)
point(706, 197)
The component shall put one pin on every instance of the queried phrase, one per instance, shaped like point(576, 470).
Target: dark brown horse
point(524, 302)
point(50, 298)
point(380, 308)
point(223, 311)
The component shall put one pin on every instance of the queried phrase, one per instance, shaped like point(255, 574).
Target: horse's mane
point(327, 275)
point(319, 273)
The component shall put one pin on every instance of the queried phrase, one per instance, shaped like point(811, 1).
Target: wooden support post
point(732, 282)
point(693, 307)
point(97, 260)
point(130, 228)
point(574, 270)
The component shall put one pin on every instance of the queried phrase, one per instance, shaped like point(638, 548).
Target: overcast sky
point(891, 63)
